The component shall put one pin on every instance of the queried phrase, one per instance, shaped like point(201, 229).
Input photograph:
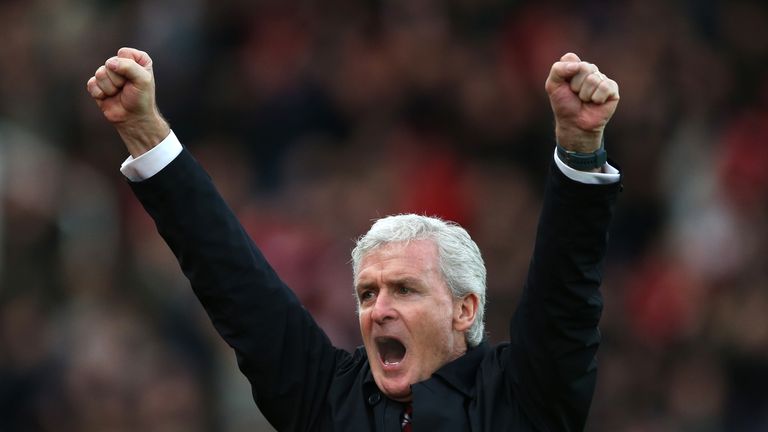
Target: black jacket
point(542, 380)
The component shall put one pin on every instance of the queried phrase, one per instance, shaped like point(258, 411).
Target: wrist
point(141, 137)
point(577, 140)
point(587, 162)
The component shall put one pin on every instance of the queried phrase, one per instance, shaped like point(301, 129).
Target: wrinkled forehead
point(415, 255)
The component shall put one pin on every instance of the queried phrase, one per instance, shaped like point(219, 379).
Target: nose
point(384, 309)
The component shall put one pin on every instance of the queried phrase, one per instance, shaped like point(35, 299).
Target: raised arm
point(285, 355)
point(554, 332)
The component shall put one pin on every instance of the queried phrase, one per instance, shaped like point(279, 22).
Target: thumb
point(562, 71)
point(129, 69)
point(570, 57)
point(140, 57)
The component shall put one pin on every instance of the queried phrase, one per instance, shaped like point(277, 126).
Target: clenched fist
point(124, 90)
point(583, 100)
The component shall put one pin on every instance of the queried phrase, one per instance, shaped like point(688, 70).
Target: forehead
point(412, 258)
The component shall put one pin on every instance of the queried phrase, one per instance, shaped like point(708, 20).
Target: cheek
point(433, 328)
point(366, 324)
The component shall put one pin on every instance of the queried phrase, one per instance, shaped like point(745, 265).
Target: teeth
point(389, 363)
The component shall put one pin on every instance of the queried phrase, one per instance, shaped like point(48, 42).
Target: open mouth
point(391, 350)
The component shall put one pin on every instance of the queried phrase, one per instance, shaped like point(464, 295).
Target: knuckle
point(576, 85)
point(103, 86)
point(114, 77)
point(582, 76)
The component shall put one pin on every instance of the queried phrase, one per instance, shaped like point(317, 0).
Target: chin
point(400, 394)
point(396, 389)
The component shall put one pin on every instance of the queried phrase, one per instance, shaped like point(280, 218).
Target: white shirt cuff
point(609, 174)
point(153, 161)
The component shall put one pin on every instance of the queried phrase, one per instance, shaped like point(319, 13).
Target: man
point(420, 284)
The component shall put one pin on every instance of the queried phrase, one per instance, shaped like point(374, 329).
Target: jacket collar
point(461, 373)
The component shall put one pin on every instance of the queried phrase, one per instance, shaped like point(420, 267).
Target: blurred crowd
point(314, 118)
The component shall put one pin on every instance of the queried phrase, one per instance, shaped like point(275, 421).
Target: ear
point(464, 312)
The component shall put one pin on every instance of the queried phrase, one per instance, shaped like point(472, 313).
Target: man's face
point(410, 322)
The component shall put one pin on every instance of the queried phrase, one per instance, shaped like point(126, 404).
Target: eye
point(367, 295)
point(402, 289)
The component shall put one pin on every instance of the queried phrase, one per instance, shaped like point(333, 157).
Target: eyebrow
point(404, 280)
point(364, 286)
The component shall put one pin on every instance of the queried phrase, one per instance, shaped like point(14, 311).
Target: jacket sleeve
point(554, 331)
point(287, 358)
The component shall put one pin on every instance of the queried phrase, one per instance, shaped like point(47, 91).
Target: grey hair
point(460, 260)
